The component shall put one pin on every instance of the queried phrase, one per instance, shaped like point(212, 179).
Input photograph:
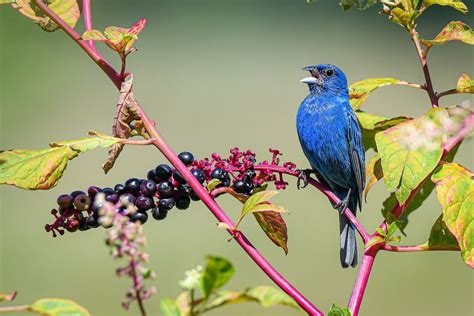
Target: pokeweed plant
point(414, 156)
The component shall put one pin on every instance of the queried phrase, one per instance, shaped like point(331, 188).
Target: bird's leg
point(303, 176)
point(341, 206)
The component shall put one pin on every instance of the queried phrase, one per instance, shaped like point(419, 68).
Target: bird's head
point(325, 77)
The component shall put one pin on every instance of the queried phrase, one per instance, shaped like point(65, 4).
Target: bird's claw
point(341, 206)
point(303, 176)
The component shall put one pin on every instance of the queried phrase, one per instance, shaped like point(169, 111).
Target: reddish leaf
point(274, 226)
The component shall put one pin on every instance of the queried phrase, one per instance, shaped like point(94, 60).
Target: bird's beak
point(309, 80)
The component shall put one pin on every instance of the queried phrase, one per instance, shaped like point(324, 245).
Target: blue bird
point(331, 139)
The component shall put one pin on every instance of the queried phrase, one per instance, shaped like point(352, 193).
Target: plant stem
point(447, 92)
point(424, 65)
point(138, 292)
point(159, 142)
point(15, 309)
point(86, 10)
point(424, 247)
point(361, 282)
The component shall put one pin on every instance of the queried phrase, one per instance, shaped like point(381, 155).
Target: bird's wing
point(356, 153)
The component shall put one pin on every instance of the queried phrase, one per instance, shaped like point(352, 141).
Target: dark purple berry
point(108, 191)
point(65, 200)
point(163, 172)
point(184, 189)
point(82, 202)
point(186, 157)
point(159, 214)
point(199, 175)
point(183, 202)
point(178, 177)
point(165, 189)
point(92, 222)
point(219, 174)
point(76, 193)
point(113, 198)
point(83, 225)
point(242, 187)
point(166, 204)
point(148, 188)
point(226, 182)
point(93, 190)
point(249, 175)
point(71, 225)
point(132, 185)
point(144, 203)
point(119, 188)
point(151, 175)
point(194, 196)
point(137, 216)
point(127, 198)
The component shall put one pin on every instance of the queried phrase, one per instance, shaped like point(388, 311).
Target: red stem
point(361, 283)
point(86, 10)
point(158, 141)
point(138, 291)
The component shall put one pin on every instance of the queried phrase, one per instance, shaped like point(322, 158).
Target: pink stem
point(418, 248)
point(326, 191)
point(158, 141)
point(361, 283)
point(86, 10)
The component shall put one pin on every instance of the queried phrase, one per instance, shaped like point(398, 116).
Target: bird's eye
point(329, 72)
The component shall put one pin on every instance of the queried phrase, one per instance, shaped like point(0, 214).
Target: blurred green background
point(217, 74)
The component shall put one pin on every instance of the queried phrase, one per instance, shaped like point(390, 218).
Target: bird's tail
point(348, 248)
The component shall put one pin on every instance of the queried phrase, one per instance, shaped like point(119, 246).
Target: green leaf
point(405, 166)
point(217, 273)
point(42, 169)
point(358, 4)
point(269, 296)
point(229, 297)
point(255, 199)
point(213, 184)
point(68, 10)
point(465, 84)
point(359, 91)
point(458, 5)
point(455, 191)
point(440, 236)
point(404, 17)
point(58, 307)
point(94, 35)
point(339, 311)
point(373, 173)
point(373, 241)
point(454, 31)
point(6, 1)
point(169, 307)
point(274, 226)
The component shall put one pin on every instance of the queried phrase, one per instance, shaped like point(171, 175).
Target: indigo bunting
point(331, 139)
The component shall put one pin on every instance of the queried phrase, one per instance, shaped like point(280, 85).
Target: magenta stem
point(424, 247)
point(87, 12)
point(361, 283)
point(158, 141)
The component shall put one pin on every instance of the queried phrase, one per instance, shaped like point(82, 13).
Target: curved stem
point(447, 92)
point(426, 71)
point(159, 142)
point(87, 12)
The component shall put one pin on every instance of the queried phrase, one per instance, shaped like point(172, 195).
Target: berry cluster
point(165, 188)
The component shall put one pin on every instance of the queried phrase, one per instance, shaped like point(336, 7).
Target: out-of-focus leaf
point(373, 173)
point(269, 296)
point(454, 31)
point(455, 191)
point(274, 226)
point(169, 307)
point(358, 4)
point(359, 91)
point(405, 167)
point(465, 84)
point(339, 311)
point(94, 35)
point(42, 169)
point(456, 4)
point(404, 17)
point(440, 236)
point(58, 307)
point(217, 273)
point(229, 297)
point(68, 10)
point(7, 297)
point(183, 302)
point(125, 113)
point(6, 1)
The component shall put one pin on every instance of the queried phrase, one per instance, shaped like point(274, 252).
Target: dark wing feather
point(356, 154)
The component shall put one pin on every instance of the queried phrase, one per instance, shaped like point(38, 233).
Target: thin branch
point(136, 287)
point(413, 85)
point(361, 282)
point(138, 142)
point(159, 142)
point(426, 71)
point(95, 55)
point(419, 248)
point(15, 309)
point(86, 10)
point(447, 92)
point(326, 191)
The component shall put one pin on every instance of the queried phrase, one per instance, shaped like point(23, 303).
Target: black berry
point(119, 188)
point(183, 202)
point(242, 187)
point(144, 203)
point(92, 222)
point(159, 214)
point(71, 225)
point(199, 175)
point(127, 198)
point(82, 202)
point(65, 200)
point(132, 185)
point(137, 216)
point(148, 188)
point(166, 204)
point(178, 177)
point(76, 193)
point(165, 189)
point(249, 175)
point(218, 173)
point(163, 172)
point(186, 157)
point(93, 190)
point(108, 191)
point(184, 189)
point(151, 175)
point(113, 198)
